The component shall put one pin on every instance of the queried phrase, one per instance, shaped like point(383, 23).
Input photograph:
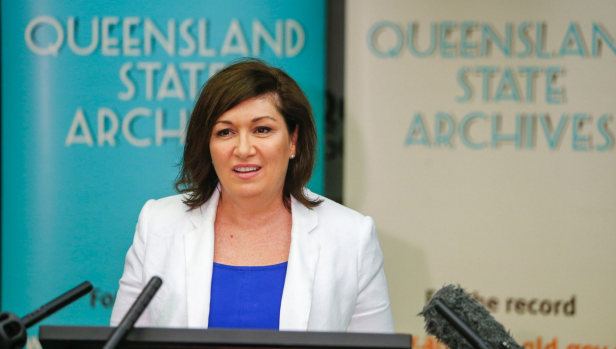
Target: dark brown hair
point(247, 79)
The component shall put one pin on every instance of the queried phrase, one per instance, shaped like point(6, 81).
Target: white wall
point(511, 222)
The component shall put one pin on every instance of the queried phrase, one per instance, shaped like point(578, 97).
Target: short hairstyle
point(244, 80)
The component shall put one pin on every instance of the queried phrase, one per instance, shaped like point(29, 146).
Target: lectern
point(86, 337)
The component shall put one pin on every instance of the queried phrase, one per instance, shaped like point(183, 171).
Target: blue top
point(246, 297)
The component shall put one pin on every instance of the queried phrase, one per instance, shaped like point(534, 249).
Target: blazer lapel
point(303, 258)
point(199, 249)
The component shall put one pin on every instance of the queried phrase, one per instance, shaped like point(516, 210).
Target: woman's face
point(251, 148)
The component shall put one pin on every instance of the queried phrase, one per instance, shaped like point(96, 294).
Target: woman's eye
point(263, 130)
point(224, 132)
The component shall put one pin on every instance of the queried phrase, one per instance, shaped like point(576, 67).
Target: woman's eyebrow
point(263, 117)
point(253, 120)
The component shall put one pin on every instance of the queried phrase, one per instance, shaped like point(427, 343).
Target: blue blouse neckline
point(250, 268)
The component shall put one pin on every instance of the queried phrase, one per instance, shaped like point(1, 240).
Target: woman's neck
point(241, 211)
point(251, 231)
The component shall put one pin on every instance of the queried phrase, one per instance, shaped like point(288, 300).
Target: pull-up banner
point(480, 137)
point(95, 99)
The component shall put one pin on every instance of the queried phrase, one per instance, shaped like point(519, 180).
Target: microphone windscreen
point(470, 311)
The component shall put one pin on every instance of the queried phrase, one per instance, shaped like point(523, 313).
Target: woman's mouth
point(247, 172)
point(246, 169)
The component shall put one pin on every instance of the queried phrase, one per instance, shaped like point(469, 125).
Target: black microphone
point(128, 322)
point(473, 326)
point(13, 329)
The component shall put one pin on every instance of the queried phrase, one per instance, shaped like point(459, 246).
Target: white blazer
point(335, 279)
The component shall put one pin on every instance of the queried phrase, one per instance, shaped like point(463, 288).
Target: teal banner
point(95, 98)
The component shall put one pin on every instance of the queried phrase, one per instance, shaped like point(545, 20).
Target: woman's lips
point(247, 175)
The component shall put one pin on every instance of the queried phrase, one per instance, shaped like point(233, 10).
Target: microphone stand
point(128, 322)
point(13, 329)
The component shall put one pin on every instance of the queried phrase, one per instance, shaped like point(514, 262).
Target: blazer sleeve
point(372, 310)
point(132, 283)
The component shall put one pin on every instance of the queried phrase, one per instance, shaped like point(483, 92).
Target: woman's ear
point(294, 136)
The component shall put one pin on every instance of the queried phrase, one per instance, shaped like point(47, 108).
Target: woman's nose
point(244, 147)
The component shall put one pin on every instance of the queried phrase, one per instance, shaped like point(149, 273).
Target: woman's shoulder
point(169, 205)
point(166, 212)
point(330, 206)
point(337, 217)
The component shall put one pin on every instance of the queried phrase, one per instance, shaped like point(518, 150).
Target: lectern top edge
point(88, 337)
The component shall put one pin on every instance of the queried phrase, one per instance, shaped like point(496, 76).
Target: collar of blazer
point(303, 257)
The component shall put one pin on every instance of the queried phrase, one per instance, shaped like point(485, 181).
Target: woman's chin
point(250, 190)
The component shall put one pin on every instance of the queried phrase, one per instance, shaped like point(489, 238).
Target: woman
point(245, 245)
